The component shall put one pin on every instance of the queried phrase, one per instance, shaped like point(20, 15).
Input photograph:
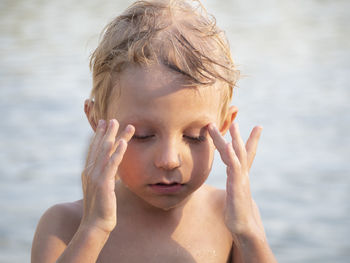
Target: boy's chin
point(167, 204)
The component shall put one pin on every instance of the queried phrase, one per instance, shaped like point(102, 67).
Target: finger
point(238, 144)
point(252, 144)
point(117, 156)
point(116, 159)
point(95, 142)
point(126, 135)
point(107, 143)
point(225, 149)
point(112, 130)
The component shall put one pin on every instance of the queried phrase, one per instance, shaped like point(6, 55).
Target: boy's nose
point(167, 158)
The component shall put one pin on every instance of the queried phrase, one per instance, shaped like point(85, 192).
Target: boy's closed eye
point(142, 137)
point(196, 135)
point(195, 139)
point(189, 138)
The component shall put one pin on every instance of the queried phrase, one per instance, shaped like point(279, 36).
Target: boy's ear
point(230, 116)
point(89, 112)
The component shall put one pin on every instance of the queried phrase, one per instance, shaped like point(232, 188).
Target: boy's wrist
point(93, 232)
point(250, 237)
point(253, 248)
point(85, 246)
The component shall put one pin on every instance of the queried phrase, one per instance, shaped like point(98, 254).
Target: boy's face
point(171, 153)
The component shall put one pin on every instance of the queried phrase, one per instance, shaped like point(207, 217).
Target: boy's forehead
point(150, 79)
point(158, 89)
point(158, 80)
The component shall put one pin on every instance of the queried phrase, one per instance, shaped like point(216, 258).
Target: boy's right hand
point(98, 178)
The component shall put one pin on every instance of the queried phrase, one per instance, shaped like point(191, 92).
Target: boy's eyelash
point(195, 139)
point(142, 137)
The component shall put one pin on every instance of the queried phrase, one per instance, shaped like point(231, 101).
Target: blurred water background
point(296, 60)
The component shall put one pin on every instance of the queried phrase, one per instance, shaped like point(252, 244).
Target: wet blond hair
point(179, 34)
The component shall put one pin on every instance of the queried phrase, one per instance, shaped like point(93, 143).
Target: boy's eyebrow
point(136, 119)
point(201, 121)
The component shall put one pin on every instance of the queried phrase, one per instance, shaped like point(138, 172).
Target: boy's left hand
point(241, 216)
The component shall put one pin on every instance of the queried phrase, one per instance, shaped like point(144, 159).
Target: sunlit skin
point(150, 156)
point(175, 126)
point(171, 144)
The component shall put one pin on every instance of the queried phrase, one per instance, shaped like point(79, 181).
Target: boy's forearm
point(85, 246)
point(252, 249)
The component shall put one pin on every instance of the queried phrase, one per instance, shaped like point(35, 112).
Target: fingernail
point(101, 123)
point(111, 123)
point(129, 128)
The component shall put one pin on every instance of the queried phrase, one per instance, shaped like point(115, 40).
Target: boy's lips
point(166, 188)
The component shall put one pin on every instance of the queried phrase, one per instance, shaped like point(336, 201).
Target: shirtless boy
point(162, 84)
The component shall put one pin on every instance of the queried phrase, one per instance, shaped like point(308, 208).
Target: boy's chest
point(188, 242)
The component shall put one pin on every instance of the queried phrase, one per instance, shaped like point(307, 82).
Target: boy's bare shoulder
point(55, 230)
point(60, 221)
point(215, 197)
point(214, 200)
point(211, 207)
